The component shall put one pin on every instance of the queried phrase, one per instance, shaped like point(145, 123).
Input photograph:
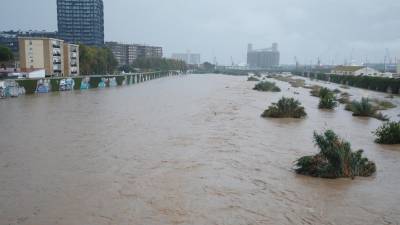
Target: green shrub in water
point(388, 133)
point(285, 108)
point(335, 159)
point(267, 86)
point(327, 102)
point(364, 108)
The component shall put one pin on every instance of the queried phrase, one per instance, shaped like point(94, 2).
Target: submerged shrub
point(365, 109)
point(327, 99)
point(344, 98)
point(253, 79)
point(318, 91)
point(327, 102)
point(388, 133)
point(285, 108)
point(267, 86)
point(335, 159)
point(315, 90)
point(324, 92)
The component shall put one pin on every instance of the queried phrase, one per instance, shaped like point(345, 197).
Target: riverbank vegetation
point(381, 84)
point(266, 86)
point(364, 108)
point(285, 108)
point(335, 159)
point(388, 133)
point(96, 61)
point(154, 64)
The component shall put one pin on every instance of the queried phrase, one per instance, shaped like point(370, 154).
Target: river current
point(184, 150)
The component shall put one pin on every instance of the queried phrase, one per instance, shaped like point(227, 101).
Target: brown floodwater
point(183, 150)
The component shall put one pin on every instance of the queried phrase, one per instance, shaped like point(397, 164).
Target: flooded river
point(183, 150)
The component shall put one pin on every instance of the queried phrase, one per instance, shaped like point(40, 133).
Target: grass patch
point(383, 104)
point(285, 108)
point(335, 159)
point(388, 133)
point(292, 81)
point(267, 86)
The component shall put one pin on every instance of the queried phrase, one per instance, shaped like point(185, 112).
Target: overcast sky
point(331, 29)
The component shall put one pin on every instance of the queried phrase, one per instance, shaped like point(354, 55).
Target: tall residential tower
point(81, 21)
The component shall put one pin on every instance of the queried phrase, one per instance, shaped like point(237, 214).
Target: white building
point(355, 71)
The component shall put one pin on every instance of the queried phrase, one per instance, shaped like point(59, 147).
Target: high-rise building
point(81, 21)
point(263, 58)
point(126, 54)
point(189, 58)
point(53, 55)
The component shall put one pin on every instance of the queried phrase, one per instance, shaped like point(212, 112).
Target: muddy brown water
point(183, 150)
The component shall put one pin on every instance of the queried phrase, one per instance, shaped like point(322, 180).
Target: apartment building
point(126, 54)
point(53, 55)
point(71, 59)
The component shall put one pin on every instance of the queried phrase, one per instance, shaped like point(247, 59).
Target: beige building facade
point(53, 55)
point(71, 59)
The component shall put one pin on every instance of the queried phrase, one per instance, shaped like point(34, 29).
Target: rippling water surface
point(183, 150)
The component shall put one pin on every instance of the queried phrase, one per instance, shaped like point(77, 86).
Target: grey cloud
point(330, 29)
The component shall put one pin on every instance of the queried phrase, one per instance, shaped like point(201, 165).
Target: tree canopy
point(5, 54)
point(148, 64)
point(95, 60)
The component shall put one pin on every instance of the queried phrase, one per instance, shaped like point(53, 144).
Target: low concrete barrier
point(14, 88)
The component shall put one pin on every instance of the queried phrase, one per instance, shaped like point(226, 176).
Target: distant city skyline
point(334, 31)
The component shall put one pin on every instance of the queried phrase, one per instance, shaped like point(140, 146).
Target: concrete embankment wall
point(14, 88)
